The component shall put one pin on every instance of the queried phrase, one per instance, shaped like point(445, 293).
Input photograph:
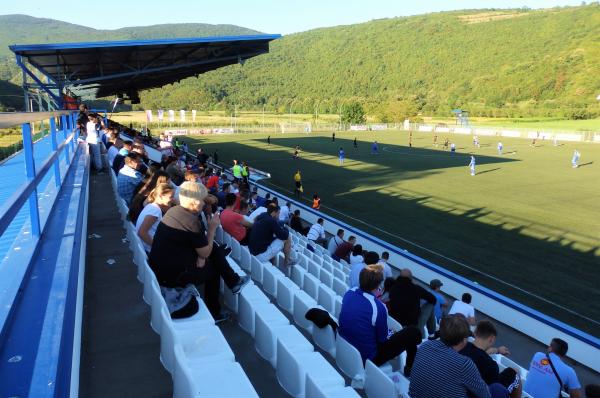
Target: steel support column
point(34, 212)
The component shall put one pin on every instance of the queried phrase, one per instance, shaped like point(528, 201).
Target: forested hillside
point(492, 63)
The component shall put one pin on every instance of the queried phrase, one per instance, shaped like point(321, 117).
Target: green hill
point(491, 62)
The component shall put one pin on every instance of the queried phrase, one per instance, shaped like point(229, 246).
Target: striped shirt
point(441, 372)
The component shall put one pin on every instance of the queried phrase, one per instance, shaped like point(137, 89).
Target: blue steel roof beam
point(167, 68)
point(35, 79)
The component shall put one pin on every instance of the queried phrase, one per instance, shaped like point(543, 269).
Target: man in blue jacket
point(269, 237)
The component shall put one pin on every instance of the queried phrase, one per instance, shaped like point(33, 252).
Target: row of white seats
point(193, 350)
point(297, 302)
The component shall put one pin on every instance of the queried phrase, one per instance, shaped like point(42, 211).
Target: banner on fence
point(149, 115)
point(441, 129)
point(358, 127)
point(510, 133)
point(176, 132)
point(485, 132)
point(193, 115)
point(182, 115)
point(425, 128)
point(171, 115)
point(462, 130)
point(406, 124)
point(378, 127)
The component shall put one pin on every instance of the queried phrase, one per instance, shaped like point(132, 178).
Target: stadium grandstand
point(129, 267)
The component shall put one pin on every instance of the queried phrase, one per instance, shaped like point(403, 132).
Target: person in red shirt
point(234, 223)
point(213, 182)
point(344, 249)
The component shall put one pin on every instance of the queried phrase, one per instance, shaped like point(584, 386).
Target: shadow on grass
point(528, 261)
point(488, 171)
point(586, 164)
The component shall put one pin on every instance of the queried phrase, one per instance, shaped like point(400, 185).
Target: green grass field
point(526, 225)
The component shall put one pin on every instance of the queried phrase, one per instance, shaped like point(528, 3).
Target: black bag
point(556, 374)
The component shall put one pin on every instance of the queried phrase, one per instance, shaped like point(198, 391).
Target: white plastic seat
point(324, 338)
point(338, 306)
point(314, 269)
point(302, 260)
point(266, 333)
point(326, 277)
point(297, 276)
point(236, 251)
point(292, 368)
point(313, 390)
point(227, 239)
point(245, 258)
point(256, 269)
point(148, 278)
point(249, 299)
point(326, 298)
point(393, 324)
point(219, 234)
point(198, 340)
point(311, 285)
point(230, 299)
point(302, 303)
point(286, 289)
point(339, 273)
point(192, 380)
point(377, 383)
point(524, 394)
point(339, 287)
point(349, 361)
point(327, 266)
point(270, 276)
point(508, 363)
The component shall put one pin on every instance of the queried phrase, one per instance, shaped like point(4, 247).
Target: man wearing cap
point(440, 302)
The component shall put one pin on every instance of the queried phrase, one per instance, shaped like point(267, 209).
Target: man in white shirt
point(387, 270)
point(284, 212)
point(335, 241)
point(113, 151)
point(464, 307)
point(92, 139)
point(316, 233)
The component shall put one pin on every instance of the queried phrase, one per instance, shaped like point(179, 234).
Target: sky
point(268, 16)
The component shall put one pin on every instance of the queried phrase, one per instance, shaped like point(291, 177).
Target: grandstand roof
point(125, 67)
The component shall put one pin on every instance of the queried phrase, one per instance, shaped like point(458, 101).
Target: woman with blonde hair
point(139, 200)
point(159, 200)
point(183, 252)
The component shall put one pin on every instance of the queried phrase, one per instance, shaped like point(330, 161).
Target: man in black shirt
point(269, 237)
point(405, 303)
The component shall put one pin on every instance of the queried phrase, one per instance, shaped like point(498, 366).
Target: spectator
point(439, 371)
point(335, 241)
point(509, 385)
point(128, 178)
point(296, 223)
point(363, 323)
point(113, 151)
point(549, 374)
point(234, 223)
point(387, 270)
point(175, 172)
point(139, 200)
point(464, 307)
point(215, 157)
point(405, 303)
point(119, 160)
point(213, 182)
point(201, 156)
point(263, 202)
point(343, 251)
point(182, 251)
point(371, 258)
point(440, 302)
point(257, 212)
point(284, 214)
point(159, 201)
point(269, 237)
point(92, 138)
point(221, 195)
point(480, 350)
point(316, 233)
point(356, 256)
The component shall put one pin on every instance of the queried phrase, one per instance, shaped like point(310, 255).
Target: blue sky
point(269, 16)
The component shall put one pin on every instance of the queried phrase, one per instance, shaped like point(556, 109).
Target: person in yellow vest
point(245, 172)
point(236, 170)
point(298, 184)
point(316, 202)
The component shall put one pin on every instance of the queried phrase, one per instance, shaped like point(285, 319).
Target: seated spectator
point(371, 258)
point(296, 223)
point(363, 323)
point(464, 307)
point(213, 182)
point(175, 172)
point(480, 350)
point(335, 241)
point(284, 214)
point(119, 160)
point(128, 178)
point(182, 252)
point(221, 195)
point(269, 237)
point(387, 270)
point(343, 250)
point(385, 293)
point(509, 385)
point(405, 303)
point(263, 202)
point(139, 200)
point(547, 368)
point(316, 233)
point(159, 201)
point(234, 223)
point(356, 257)
point(439, 371)
point(113, 151)
point(257, 212)
point(440, 301)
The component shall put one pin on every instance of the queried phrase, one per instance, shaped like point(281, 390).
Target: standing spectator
point(296, 223)
point(439, 371)
point(357, 255)
point(316, 233)
point(202, 156)
point(129, 178)
point(269, 237)
point(464, 307)
point(284, 213)
point(234, 223)
point(387, 270)
point(344, 250)
point(549, 374)
point(440, 302)
point(335, 241)
point(405, 303)
point(159, 201)
point(371, 258)
point(363, 323)
point(92, 138)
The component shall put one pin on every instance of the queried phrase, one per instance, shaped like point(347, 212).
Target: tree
point(353, 113)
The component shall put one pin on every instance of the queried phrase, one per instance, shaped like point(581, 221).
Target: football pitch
point(527, 225)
